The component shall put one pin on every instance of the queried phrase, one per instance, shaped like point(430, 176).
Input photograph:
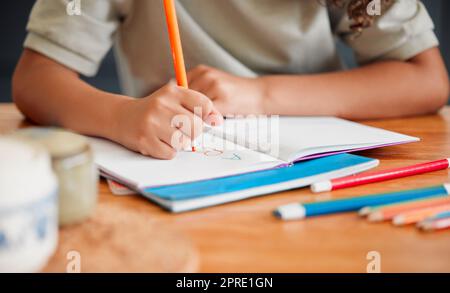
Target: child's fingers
point(221, 107)
point(176, 139)
point(165, 151)
point(201, 85)
point(197, 103)
point(215, 118)
point(204, 79)
point(205, 109)
point(191, 125)
point(158, 149)
point(197, 72)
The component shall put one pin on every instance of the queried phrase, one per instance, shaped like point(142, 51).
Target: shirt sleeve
point(79, 42)
point(403, 31)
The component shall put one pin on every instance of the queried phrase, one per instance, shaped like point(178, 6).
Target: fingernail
point(187, 147)
point(214, 120)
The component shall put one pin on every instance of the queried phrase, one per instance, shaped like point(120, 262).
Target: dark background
point(15, 14)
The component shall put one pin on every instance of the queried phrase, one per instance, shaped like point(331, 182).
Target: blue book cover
point(194, 195)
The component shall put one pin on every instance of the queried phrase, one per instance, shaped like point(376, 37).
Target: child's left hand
point(232, 95)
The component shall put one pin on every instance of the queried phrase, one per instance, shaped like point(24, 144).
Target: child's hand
point(230, 94)
point(148, 126)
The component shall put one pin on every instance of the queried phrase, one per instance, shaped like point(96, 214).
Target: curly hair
point(357, 12)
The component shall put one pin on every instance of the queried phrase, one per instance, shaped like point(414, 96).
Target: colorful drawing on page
point(233, 157)
point(212, 152)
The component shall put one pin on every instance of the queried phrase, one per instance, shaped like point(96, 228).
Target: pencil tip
point(375, 217)
point(364, 212)
point(398, 220)
point(277, 214)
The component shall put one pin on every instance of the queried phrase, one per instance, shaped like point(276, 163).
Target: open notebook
point(200, 194)
point(243, 146)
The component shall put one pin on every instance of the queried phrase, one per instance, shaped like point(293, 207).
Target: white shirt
point(243, 37)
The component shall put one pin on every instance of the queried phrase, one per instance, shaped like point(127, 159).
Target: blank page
point(292, 138)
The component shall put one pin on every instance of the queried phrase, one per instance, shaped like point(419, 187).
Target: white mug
point(28, 206)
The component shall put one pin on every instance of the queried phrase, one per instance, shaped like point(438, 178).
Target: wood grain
point(118, 240)
point(244, 237)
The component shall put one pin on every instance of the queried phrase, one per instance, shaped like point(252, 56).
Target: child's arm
point(51, 94)
point(378, 90)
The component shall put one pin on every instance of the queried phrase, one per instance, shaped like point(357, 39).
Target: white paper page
point(292, 138)
point(212, 160)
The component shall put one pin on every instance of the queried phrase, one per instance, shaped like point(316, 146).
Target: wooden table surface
point(245, 237)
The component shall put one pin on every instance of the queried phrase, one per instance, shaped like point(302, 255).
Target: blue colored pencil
point(297, 211)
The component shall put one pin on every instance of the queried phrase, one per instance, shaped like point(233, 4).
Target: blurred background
point(15, 16)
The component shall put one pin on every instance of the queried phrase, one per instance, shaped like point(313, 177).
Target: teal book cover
point(304, 172)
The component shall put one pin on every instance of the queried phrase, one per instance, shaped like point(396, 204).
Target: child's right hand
point(147, 125)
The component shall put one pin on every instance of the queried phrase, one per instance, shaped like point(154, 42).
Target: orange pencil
point(175, 44)
point(418, 215)
point(389, 212)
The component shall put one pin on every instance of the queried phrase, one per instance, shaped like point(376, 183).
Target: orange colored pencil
point(389, 212)
point(175, 43)
point(176, 47)
point(418, 215)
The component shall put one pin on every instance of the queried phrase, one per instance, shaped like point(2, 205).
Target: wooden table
point(245, 237)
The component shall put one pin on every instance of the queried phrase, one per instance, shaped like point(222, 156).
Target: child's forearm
point(50, 94)
point(379, 90)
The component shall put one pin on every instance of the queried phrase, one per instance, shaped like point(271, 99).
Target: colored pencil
point(298, 211)
point(416, 216)
point(439, 216)
point(365, 211)
point(389, 212)
point(176, 47)
point(435, 225)
point(371, 177)
point(175, 43)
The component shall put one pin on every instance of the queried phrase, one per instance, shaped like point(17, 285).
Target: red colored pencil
point(372, 177)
